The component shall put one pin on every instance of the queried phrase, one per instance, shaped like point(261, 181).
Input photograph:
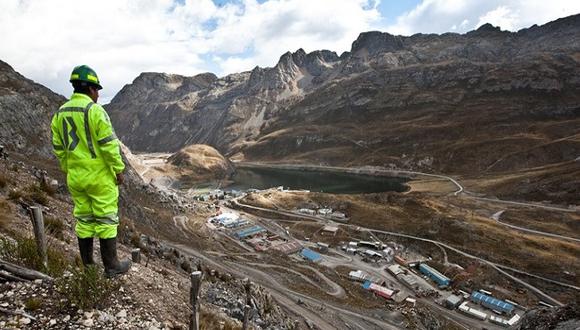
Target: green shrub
point(86, 287)
point(32, 304)
point(23, 251)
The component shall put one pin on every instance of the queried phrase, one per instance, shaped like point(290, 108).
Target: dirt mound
point(200, 161)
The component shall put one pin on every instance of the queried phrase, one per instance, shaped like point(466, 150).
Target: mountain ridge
point(484, 101)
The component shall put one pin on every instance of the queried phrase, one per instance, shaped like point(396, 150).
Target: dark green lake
point(330, 182)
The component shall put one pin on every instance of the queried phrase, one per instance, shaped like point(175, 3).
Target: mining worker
point(89, 153)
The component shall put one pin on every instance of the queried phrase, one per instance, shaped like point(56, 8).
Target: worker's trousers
point(95, 195)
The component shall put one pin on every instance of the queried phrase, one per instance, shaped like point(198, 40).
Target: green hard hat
point(86, 74)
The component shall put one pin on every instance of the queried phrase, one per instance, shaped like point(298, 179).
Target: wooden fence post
point(246, 317)
point(248, 289)
point(193, 297)
point(39, 233)
point(136, 255)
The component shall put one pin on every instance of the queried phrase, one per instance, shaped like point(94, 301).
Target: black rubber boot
point(112, 264)
point(86, 250)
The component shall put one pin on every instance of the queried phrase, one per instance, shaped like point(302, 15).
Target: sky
point(44, 40)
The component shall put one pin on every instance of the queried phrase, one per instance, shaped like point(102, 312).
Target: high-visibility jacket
point(82, 135)
point(89, 153)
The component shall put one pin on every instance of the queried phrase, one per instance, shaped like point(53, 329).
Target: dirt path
point(497, 217)
point(337, 290)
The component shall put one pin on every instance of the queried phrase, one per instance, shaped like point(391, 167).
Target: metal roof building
point(435, 275)
point(409, 281)
point(492, 303)
point(249, 232)
point(310, 255)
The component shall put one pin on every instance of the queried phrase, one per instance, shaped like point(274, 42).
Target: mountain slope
point(25, 113)
point(486, 101)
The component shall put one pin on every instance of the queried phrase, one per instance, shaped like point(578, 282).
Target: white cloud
point(501, 16)
point(120, 39)
point(438, 16)
point(44, 40)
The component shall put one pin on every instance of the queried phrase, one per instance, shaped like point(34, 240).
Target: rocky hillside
point(155, 292)
point(200, 162)
point(487, 101)
point(25, 113)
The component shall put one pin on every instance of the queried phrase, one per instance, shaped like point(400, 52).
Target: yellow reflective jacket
point(83, 137)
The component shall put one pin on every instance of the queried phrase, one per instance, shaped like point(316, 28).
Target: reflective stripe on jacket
point(82, 136)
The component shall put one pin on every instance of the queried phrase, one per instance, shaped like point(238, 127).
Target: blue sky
point(44, 40)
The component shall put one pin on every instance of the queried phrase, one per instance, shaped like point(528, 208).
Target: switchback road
point(496, 266)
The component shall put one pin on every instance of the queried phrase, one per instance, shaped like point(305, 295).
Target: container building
point(435, 275)
point(361, 276)
point(324, 211)
point(373, 255)
point(492, 303)
point(329, 230)
point(453, 301)
point(307, 211)
point(400, 260)
point(370, 245)
point(472, 311)
point(379, 290)
point(395, 269)
point(323, 247)
point(514, 320)
point(498, 320)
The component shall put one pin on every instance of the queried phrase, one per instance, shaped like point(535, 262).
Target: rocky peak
point(375, 42)
point(155, 87)
point(487, 27)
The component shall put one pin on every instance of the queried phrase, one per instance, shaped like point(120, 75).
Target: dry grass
point(432, 185)
point(30, 194)
point(23, 250)
point(5, 210)
point(54, 227)
point(4, 181)
point(211, 320)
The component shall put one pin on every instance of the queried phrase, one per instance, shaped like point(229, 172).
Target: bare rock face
point(26, 110)
point(484, 101)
